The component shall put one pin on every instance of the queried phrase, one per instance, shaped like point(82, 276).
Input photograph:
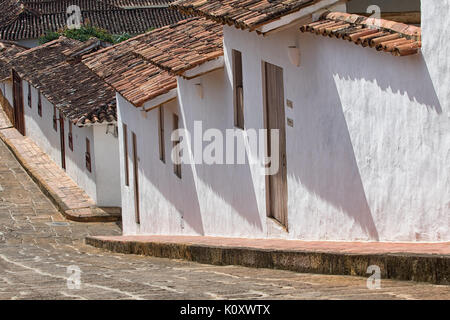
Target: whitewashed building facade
point(71, 115)
point(365, 139)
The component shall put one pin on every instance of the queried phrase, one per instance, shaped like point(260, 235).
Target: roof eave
point(300, 16)
point(80, 124)
point(274, 23)
point(204, 68)
point(160, 100)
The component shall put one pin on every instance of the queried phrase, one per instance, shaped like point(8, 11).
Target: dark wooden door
point(19, 117)
point(136, 180)
point(275, 119)
point(62, 138)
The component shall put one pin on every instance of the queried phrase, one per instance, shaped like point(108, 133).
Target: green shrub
point(48, 36)
point(121, 37)
point(83, 34)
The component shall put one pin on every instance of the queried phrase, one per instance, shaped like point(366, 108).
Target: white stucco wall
point(128, 114)
point(7, 91)
point(40, 129)
point(207, 200)
point(159, 187)
point(368, 157)
point(76, 159)
point(435, 48)
point(102, 184)
point(106, 154)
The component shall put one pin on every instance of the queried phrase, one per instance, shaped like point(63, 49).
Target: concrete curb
point(399, 266)
point(97, 214)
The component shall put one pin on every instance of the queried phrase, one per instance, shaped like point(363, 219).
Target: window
point(162, 153)
point(70, 136)
point(125, 154)
point(29, 94)
point(177, 162)
point(55, 119)
point(238, 90)
point(88, 155)
point(39, 105)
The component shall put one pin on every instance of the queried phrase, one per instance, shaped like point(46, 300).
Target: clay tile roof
point(50, 15)
point(140, 3)
point(182, 46)
point(11, 9)
point(8, 51)
point(244, 14)
point(146, 66)
point(75, 53)
point(74, 89)
point(397, 38)
point(134, 78)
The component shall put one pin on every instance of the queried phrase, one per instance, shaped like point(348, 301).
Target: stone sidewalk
point(68, 197)
point(424, 262)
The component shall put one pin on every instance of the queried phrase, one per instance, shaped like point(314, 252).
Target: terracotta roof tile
point(60, 6)
point(134, 78)
point(8, 51)
point(50, 15)
point(145, 67)
point(49, 6)
point(244, 14)
point(11, 9)
point(182, 46)
point(139, 3)
point(72, 87)
point(384, 35)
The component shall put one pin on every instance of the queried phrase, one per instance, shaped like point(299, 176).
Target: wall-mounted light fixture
point(199, 90)
point(112, 128)
point(294, 55)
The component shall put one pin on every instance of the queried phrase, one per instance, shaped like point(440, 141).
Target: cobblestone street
point(37, 245)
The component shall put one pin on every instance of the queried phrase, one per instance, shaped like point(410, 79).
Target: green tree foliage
point(83, 34)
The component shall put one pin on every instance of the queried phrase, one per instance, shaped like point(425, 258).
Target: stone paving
point(40, 163)
point(36, 255)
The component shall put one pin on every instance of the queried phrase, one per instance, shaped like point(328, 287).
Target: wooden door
point(125, 154)
point(276, 183)
point(62, 139)
point(136, 180)
point(176, 142)
point(19, 117)
point(88, 155)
